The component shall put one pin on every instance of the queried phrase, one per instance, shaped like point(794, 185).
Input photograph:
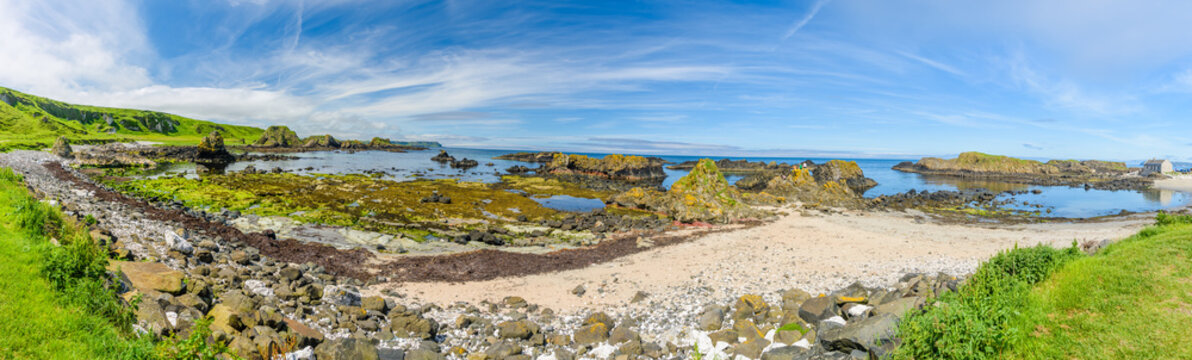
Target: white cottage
point(1156, 166)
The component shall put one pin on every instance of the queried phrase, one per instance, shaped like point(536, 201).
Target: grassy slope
point(1131, 301)
point(33, 124)
point(34, 324)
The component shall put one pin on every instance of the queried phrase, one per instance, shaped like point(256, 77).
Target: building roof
point(1156, 162)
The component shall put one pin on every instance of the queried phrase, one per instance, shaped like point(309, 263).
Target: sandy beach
point(1179, 183)
point(816, 253)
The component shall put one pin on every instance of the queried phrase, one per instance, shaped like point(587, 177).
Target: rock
point(211, 150)
point(241, 257)
point(865, 335)
point(305, 333)
point(791, 299)
point(150, 277)
point(639, 297)
point(278, 136)
point(374, 303)
point(899, 307)
point(579, 290)
point(62, 148)
point(345, 349)
point(443, 157)
point(521, 329)
point(701, 195)
point(614, 167)
point(856, 312)
point(712, 318)
point(751, 307)
point(324, 141)
point(847, 172)
point(784, 353)
point(591, 334)
point(413, 326)
point(752, 348)
point(225, 319)
point(422, 354)
point(817, 309)
point(153, 318)
point(243, 346)
point(341, 295)
point(746, 328)
point(289, 273)
point(622, 334)
point(503, 349)
point(599, 317)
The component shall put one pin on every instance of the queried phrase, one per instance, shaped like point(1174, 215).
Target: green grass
point(58, 317)
point(1132, 300)
point(55, 301)
point(33, 122)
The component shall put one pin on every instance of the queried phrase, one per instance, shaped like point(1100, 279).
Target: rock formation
point(278, 136)
point(324, 141)
point(62, 148)
point(701, 195)
point(443, 157)
point(614, 167)
point(211, 150)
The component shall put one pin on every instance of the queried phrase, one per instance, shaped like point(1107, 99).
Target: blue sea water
point(1061, 200)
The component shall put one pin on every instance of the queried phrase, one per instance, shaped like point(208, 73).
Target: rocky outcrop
point(846, 172)
point(62, 148)
point(278, 137)
point(701, 195)
point(729, 166)
point(443, 157)
point(836, 183)
point(614, 167)
point(321, 142)
point(1088, 173)
point(532, 157)
point(211, 150)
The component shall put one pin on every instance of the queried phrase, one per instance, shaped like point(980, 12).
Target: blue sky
point(845, 78)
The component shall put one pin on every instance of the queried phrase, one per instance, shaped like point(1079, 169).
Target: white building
point(1156, 166)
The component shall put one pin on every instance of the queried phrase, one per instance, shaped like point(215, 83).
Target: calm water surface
point(1061, 200)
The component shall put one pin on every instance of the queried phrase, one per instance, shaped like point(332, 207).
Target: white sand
point(814, 253)
point(1179, 183)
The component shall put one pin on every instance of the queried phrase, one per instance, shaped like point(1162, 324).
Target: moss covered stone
point(62, 148)
point(211, 149)
point(701, 195)
point(278, 136)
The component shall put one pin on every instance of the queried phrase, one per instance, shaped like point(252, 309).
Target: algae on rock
point(278, 136)
point(701, 195)
point(62, 148)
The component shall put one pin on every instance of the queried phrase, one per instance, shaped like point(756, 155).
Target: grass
point(32, 122)
point(1132, 300)
point(56, 301)
point(66, 315)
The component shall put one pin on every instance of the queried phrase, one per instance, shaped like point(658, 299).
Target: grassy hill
point(28, 121)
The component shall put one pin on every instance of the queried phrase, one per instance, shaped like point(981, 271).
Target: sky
point(844, 78)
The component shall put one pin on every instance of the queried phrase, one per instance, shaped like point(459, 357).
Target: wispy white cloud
point(799, 24)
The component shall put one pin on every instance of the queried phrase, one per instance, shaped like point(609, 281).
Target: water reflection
point(969, 184)
point(1163, 197)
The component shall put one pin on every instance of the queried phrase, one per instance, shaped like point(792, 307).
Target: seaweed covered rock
point(324, 141)
point(615, 166)
point(443, 157)
point(533, 157)
point(353, 145)
point(62, 148)
point(381, 143)
point(847, 172)
point(701, 195)
point(799, 184)
point(278, 136)
point(211, 150)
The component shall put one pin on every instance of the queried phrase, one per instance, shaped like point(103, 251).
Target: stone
point(579, 290)
point(599, 317)
point(243, 346)
point(305, 333)
point(278, 136)
point(413, 326)
point(752, 348)
point(747, 329)
point(750, 307)
point(784, 353)
point(211, 150)
point(374, 303)
point(422, 354)
point(639, 297)
point(817, 309)
point(899, 307)
point(791, 299)
point(622, 334)
point(150, 277)
point(591, 334)
point(871, 333)
point(153, 318)
point(225, 319)
point(62, 148)
point(856, 311)
point(712, 318)
point(503, 349)
point(346, 348)
point(521, 329)
point(341, 295)
point(289, 273)
point(241, 257)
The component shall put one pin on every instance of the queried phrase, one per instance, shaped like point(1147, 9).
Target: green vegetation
point(57, 301)
point(975, 162)
point(1132, 300)
point(359, 201)
point(32, 122)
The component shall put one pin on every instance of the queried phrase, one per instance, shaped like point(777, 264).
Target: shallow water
point(1061, 200)
point(570, 203)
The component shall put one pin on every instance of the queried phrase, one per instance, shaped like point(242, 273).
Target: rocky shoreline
point(1089, 174)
